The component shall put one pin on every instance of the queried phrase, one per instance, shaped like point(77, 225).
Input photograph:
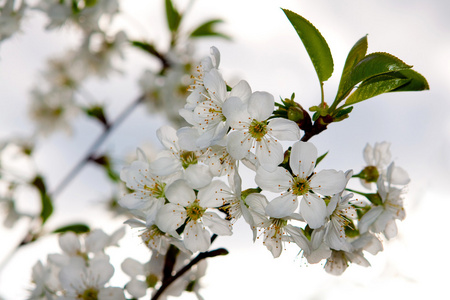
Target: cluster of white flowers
point(181, 197)
point(82, 271)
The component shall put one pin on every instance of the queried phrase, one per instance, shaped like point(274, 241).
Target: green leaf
point(47, 207)
point(315, 45)
point(416, 81)
point(207, 29)
point(147, 47)
point(46, 201)
point(173, 16)
point(320, 158)
point(355, 55)
point(372, 65)
point(76, 228)
point(375, 86)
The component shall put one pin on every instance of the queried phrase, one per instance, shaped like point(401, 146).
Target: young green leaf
point(207, 30)
point(76, 228)
point(173, 16)
point(372, 65)
point(355, 55)
point(315, 45)
point(416, 81)
point(375, 86)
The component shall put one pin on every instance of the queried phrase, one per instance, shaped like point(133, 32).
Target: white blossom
point(253, 132)
point(186, 206)
point(304, 183)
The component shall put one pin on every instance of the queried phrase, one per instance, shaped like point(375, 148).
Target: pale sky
point(267, 53)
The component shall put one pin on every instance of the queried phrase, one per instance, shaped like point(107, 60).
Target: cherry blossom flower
point(254, 132)
point(377, 159)
point(276, 230)
point(188, 207)
point(338, 262)
point(148, 189)
point(10, 19)
point(89, 281)
point(304, 183)
point(381, 218)
point(179, 162)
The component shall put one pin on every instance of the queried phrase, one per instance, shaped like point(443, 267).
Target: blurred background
point(265, 51)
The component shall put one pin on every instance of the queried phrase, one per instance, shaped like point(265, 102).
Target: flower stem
point(90, 153)
point(170, 279)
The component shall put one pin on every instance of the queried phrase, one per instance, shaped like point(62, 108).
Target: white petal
point(261, 105)
point(96, 241)
point(197, 176)
point(238, 145)
point(170, 218)
point(168, 137)
point(235, 111)
point(313, 210)
point(241, 90)
point(328, 182)
point(298, 237)
point(215, 86)
point(132, 267)
point(187, 137)
point(270, 154)
point(136, 288)
point(303, 158)
point(179, 192)
point(164, 166)
point(100, 271)
point(368, 155)
point(214, 194)
point(196, 238)
point(272, 240)
point(69, 243)
point(282, 206)
point(215, 56)
point(283, 129)
point(369, 218)
point(216, 224)
point(400, 176)
point(111, 293)
point(278, 181)
point(390, 231)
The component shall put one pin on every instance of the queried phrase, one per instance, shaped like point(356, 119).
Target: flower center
point(151, 280)
point(257, 129)
point(300, 186)
point(370, 174)
point(89, 294)
point(188, 158)
point(157, 190)
point(194, 211)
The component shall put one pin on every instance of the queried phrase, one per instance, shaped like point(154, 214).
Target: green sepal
point(207, 30)
point(342, 114)
point(320, 158)
point(375, 86)
point(371, 65)
point(90, 3)
point(355, 55)
point(97, 112)
point(76, 228)
point(315, 45)
point(173, 16)
point(46, 201)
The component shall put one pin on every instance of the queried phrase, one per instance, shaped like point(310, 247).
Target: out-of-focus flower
point(10, 18)
point(52, 110)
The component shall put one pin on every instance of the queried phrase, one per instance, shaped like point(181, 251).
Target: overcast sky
point(267, 53)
